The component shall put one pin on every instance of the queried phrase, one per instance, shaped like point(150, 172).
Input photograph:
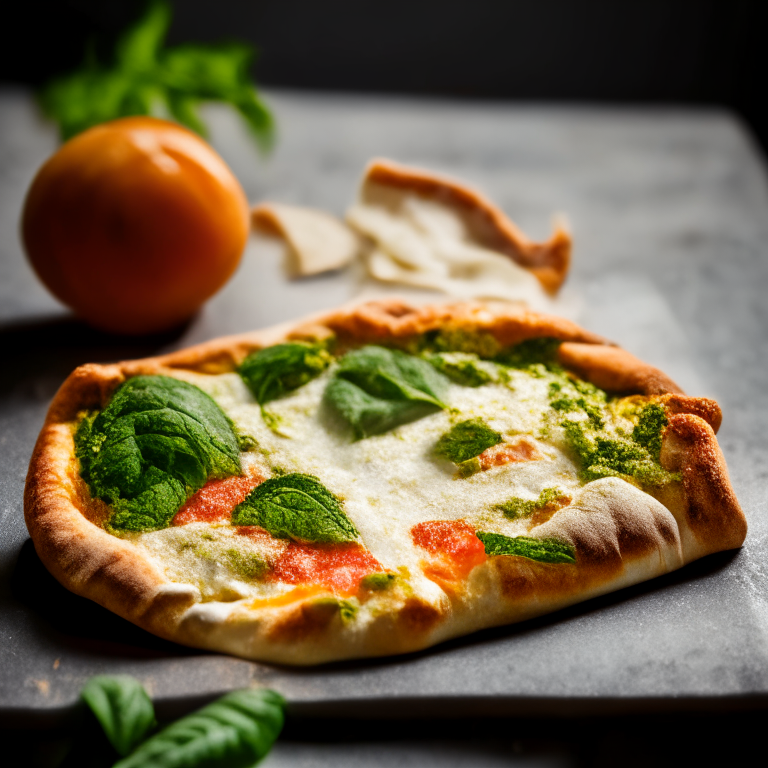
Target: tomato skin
point(216, 500)
point(134, 224)
point(508, 453)
point(339, 567)
point(455, 548)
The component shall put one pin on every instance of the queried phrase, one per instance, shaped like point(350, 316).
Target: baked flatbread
point(373, 481)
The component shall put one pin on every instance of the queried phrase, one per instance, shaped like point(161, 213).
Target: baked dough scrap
point(431, 543)
point(434, 232)
point(317, 242)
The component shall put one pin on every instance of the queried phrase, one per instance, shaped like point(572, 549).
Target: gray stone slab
point(668, 209)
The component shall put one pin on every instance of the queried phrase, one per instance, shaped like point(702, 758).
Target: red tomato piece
point(455, 544)
point(340, 567)
point(506, 453)
point(214, 502)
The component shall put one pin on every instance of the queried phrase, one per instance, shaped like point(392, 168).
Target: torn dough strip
point(424, 247)
point(317, 241)
point(430, 223)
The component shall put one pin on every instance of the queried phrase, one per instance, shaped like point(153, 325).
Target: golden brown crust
point(487, 224)
point(620, 534)
point(81, 555)
point(713, 516)
point(703, 407)
point(305, 621)
point(396, 320)
point(615, 370)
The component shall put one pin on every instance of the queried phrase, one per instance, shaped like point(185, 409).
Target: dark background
point(606, 51)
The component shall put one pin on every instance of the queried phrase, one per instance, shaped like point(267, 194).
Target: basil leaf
point(391, 374)
point(123, 709)
point(274, 371)
point(237, 730)
point(466, 440)
point(370, 415)
point(619, 456)
point(296, 507)
point(211, 71)
point(159, 440)
point(461, 368)
point(541, 550)
point(377, 389)
point(215, 72)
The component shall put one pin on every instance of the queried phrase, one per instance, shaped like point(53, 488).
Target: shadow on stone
point(79, 621)
point(51, 348)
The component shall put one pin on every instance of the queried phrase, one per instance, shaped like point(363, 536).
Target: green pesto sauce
point(516, 507)
point(619, 455)
point(536, 354)
point(601, 451)
point(466, 440)
point(248, 565)
point(480, 343)
point(648, 430)
point(461, 368)
point(531, 353)
point(571, 395)
point(348, 609)
point(378, 582)
point(245, 442)
point(541, 550)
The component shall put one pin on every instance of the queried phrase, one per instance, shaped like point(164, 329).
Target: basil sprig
point(159, 440)
point(144, 75)
point(376, 389)
point(541, 550)
point(296, 507)
point(274, 371)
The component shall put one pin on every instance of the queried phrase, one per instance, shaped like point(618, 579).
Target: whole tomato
point(134, 224)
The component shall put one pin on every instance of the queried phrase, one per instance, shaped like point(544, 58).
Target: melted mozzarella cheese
point(390, 482)
point(214, 558)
